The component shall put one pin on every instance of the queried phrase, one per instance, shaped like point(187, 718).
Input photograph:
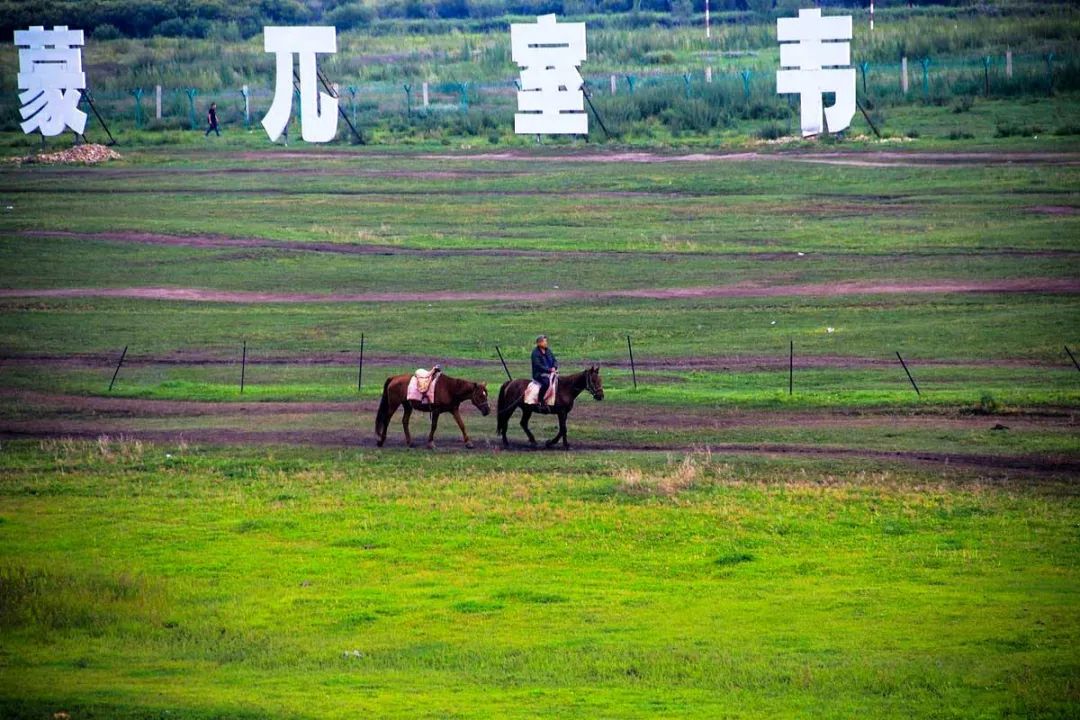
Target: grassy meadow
point(149, 581)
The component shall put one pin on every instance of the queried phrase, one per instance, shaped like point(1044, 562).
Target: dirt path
point(856, 158)
point(227, 242)
point(737, 290)
point(63, 407)
point(345, 438)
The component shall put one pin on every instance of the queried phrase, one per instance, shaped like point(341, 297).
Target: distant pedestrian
point(211, 118)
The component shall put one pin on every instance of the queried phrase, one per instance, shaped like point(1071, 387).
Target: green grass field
point(150, 581)
point(712, 546)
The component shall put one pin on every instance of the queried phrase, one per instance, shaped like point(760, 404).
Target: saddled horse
point(449, 394)
point(512, 395)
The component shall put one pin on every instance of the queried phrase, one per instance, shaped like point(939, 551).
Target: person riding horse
point(544, 365)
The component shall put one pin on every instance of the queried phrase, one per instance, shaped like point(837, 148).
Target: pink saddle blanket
point(422, 387)
point(532, 393)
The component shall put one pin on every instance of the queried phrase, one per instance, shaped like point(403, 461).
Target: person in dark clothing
point(211, 118)
point(543, 363)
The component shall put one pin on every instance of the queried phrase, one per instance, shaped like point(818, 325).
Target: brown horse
point(512, 393)
point(449, 394)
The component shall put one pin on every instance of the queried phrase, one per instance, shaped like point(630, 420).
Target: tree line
point(110, 19)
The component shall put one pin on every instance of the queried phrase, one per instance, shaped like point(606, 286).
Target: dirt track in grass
point(212, 241)
point(1066, 286)
point(68, 416)
point(1013, 464)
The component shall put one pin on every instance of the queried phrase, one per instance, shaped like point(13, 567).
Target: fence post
point(426, 98)
point(791, 368)
point(243, 368)
point(903, 75)
point(708, 74)
point(464, 88)
point(117, 371)
point(986, 75)
point(247, 105)
point(1008, 64)
point(925, 62)
point(631, 81)
point(408, 99)
point(904, 364)
point(1072, 357)
point(633, 368)
point(686, 78)
point(352, 90)
point(157, 102)
point(865, 68)
point(503, 361)
point(746, 75)
point(1050, 73)
point(360, 372)
point(191, 93)
point(138, 93)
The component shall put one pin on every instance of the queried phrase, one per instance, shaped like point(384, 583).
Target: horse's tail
point(382, 417)
point(502, 413)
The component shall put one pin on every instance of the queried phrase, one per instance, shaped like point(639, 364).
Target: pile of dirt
point(78, 155)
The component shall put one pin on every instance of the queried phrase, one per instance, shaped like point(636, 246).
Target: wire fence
point(630, 97)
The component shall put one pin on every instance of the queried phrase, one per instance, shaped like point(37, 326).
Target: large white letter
point(551, 99)
point(817, 68)
point(50, 73)
point(318, 110)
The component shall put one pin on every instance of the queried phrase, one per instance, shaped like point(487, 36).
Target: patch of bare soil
point(858, 158)
point(1020, 464)
point(79, 155)
point(738, 290)
point(66, 416)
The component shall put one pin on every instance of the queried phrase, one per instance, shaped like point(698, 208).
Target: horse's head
point(480, 398)
point(593, 383)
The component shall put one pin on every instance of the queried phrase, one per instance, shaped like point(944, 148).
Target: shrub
point(106, 31)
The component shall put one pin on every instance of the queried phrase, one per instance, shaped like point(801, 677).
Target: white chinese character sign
point(812, 63)
point(551, 100)
point(51, 78)
point(318, 110)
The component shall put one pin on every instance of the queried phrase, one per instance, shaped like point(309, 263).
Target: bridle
point(590, 386)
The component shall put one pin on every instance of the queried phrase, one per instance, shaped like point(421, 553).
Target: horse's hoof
point(379, 443)
point(469, 445)
point(431, 446)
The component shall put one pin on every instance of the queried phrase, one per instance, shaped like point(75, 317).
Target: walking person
point(211, 118)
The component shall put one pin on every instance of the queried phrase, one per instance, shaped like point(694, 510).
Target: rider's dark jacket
point(542, 363)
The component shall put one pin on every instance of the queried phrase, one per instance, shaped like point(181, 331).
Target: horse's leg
point(562, 431)
point(405, 423)
point(526, 413)
point(434, 425)
point(391, 409)
point(461, 424)
point(503, 424)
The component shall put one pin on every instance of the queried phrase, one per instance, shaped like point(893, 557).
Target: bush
point(772, 131)
point(1005, 130)
point(350, 16)
point(106, 31)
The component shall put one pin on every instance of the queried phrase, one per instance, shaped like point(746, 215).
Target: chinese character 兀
point(817, 68)
point(318, 110)
point(51, 76)
point(551, 100)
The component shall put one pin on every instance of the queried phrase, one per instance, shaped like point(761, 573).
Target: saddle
point(532, 393)
point(422, 386)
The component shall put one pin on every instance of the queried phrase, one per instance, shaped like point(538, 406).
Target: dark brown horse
point(449, 394)
point(512, 393)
